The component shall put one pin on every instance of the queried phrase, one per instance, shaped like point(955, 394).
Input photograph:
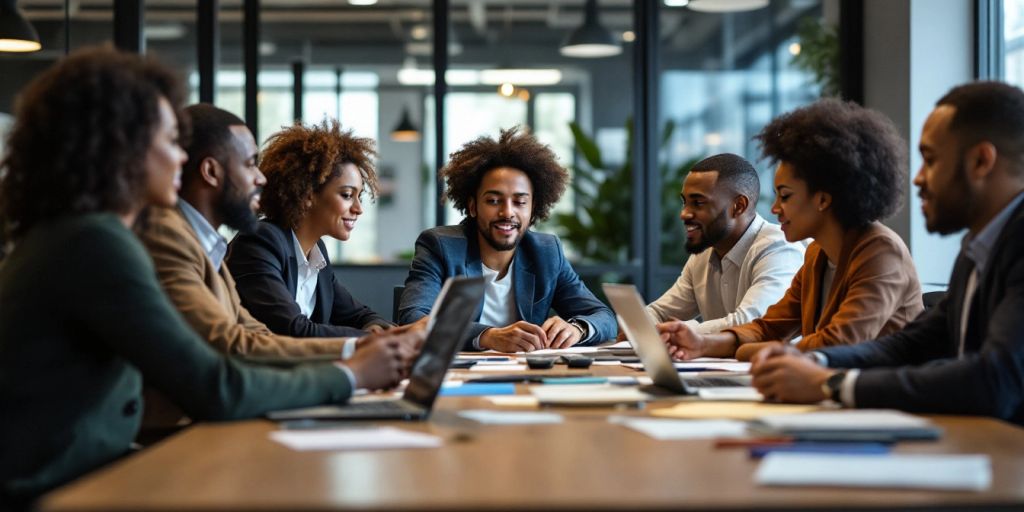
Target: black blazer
point(265, 268)
point(917, 369)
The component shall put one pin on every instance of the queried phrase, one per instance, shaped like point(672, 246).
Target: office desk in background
point(584, 463)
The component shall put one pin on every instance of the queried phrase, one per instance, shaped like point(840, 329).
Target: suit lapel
point(523, 286)
point(473, 266)
point(324, 290)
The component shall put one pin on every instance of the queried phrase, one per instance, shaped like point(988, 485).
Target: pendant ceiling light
point(591, 39)
point(405, 131)
point(16, 33)
point(726, 5)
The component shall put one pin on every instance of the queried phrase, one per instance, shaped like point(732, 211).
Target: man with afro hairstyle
point(503, 187)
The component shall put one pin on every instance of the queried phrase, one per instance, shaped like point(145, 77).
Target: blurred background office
point(614, 86)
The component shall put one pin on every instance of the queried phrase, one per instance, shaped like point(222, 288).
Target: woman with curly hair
point(841, 169)
point(83, 319)
point(503, 186)
point(317, 179)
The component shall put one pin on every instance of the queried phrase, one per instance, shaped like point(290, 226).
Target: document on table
point(729, 410)
point(511, 417)
point(739, 393)
point(863, 425)
point(498, 368)
point(902, 471)
point(587, 394)
point(672, 430)
point(374, 438)
point(529, 401)
point(727, 366)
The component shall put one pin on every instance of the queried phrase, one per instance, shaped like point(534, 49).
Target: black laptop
point(450, 318)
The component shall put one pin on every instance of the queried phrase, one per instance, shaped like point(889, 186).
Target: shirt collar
point(213, 244)
point(316, 261)
point(978, 248)
point(742, 246)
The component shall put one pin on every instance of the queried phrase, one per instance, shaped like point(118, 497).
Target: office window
point(1013, 41)
point(723, 77)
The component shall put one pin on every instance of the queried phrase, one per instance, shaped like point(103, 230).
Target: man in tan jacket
point(221, 184)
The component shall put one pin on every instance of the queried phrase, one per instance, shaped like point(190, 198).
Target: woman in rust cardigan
point(840, 170)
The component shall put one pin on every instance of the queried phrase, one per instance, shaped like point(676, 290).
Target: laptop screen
point(459, 300)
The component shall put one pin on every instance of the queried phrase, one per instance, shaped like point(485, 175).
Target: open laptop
point(643, 333)
point(449, 319)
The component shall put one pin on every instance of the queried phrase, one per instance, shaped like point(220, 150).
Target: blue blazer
point(917, 369)
point(265, 268)
point(543, 280)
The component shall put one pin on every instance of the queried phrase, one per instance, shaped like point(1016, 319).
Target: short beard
point(235, 210)
point(952, 218)
point(497, 246)
point(715, 231)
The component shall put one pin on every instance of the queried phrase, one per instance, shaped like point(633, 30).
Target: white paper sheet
point(870, 419)
point(903, 471)
point(498, 368)
point(587, 394)
point(514, 400)
point(714, 366)
point(378, 438)
point(559, 351)
point(669, 430)
point(511, 417)
point(743, 394)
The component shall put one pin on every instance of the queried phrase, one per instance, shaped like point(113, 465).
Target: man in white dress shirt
point(749, 265)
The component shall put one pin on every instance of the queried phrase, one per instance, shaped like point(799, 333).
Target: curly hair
point(854, 154)
point(518, 150)
point(299, 160)
point(81, 134)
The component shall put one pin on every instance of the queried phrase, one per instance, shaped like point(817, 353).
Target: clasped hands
point(523, 336)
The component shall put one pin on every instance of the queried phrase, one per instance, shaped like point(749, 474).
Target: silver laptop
point(643, 334)
point(450, 318)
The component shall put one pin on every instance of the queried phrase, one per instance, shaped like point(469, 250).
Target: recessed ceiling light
point(629, 36)
point(362, 2)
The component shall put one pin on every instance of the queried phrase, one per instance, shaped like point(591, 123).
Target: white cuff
point(821, 359)
point(349, 348)
point(847, 387)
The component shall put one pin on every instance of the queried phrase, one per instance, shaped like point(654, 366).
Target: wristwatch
point(833, 386)
point(581, 325)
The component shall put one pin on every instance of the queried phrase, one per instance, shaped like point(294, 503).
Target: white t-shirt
point(499, 298)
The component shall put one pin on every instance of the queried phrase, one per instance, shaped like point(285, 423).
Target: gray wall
point(914, 51)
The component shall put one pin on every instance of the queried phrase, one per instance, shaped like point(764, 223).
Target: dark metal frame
point(207, 48)
point(440, 21)
point(851, 50)
point(251, 58)
point(988, 40)
point(646, 178)
point(128, 24)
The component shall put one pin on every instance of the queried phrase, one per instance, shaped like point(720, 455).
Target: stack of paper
point(862, 424)
point(945, 472)
point(671, 430)
point(510, 417)
point(729, 410)
point(359, 438)
point(587, 394)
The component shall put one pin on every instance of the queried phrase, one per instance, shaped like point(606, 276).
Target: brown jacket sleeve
point(207, 300)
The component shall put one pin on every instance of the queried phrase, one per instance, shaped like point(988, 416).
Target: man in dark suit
point(966, 354)
point(503, 186)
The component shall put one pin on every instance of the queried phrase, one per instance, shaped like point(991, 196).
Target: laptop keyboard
point(718, 382)
point(379, 406)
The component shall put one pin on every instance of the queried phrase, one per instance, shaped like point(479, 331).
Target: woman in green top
point(82, 317)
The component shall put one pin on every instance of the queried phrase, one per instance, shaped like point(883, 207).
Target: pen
point(744, 442)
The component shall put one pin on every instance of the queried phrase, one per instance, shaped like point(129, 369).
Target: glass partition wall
point(567, 71)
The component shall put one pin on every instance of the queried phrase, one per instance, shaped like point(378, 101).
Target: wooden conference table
point(583, 463)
